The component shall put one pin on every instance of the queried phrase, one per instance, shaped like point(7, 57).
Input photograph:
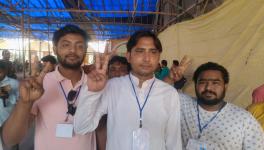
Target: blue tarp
point(35, 10)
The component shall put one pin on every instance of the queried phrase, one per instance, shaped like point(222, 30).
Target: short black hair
point(69, 29)
point(175, 62)
point(211, 66)
point(49, 58)
point(143, 33)
point(119, 59)
point(3, 65)
point(164, 62)
point(5, 51)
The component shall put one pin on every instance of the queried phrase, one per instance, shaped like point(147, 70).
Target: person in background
point(257, 106)
point(164, 70)
point(118, 66)
point(8, 95)
point(157, 71)
point(11, 72)
point(51, 59)
point(182, 80)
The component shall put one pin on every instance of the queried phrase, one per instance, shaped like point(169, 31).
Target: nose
point(208, 86)
point(147, 56)
point(73, 48)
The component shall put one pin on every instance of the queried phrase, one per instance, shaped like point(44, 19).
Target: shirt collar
point(4, 81)
point(145, 83)
point(61, 78)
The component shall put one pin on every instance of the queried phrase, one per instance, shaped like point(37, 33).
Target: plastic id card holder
point(141, 139)
point(194, 144)
point(64, 130)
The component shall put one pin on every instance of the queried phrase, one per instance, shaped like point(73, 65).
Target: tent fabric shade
point(106, 19)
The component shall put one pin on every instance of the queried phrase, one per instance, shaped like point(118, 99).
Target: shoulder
point(257, 107)
point(50, 75)
point(240, 112)
point(186, 99)
point(164, 87)
point(118, 80)
point(49, 78)
point(117, 83)
point(13, 80)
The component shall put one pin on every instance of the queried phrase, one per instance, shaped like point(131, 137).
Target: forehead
point(71, 37)
point(211, 75)
point(145, 41)
point(117, 64)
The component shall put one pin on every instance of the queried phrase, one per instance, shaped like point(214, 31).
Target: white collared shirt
point(161, 114)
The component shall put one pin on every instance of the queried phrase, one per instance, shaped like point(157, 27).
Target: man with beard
point(208, 122)
point(51, 98)
point(143, 112)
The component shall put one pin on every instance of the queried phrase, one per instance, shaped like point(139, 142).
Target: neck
point(141, 78)
point(213, 107)
point(72, 74)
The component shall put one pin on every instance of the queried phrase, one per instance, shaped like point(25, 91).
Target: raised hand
point(97, 78)
point(31, 89)
point(176, 73)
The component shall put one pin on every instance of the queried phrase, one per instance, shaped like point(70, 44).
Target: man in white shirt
point(208, 122)
point(143, 112)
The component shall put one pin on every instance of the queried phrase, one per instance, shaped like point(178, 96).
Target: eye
point(154, 51)
point(216, 82)
point(139, 50)
point(201, 82)
point(64, 45)
point(80, 46)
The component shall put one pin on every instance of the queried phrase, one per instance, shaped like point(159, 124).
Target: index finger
point(97, 61)
point(47, 68)
point(105, 65)
point(185, 60)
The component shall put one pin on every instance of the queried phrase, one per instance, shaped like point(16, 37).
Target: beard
point(72, 66)
point(210, 102)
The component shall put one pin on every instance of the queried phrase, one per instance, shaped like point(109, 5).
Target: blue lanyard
point(201, 128)
point(139, 107)
point(65, 93)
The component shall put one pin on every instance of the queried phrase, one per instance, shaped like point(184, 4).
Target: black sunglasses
point(70, 98)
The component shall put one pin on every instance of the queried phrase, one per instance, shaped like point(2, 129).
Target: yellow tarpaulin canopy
point(231, 35)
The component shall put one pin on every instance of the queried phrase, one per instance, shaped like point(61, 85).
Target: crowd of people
point(125, 103)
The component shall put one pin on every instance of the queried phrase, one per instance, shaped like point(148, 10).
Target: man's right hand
point(31, 89)
point(97, 78)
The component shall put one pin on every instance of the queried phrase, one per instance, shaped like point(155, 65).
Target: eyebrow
point(140, 48)
point(209, 79)
point(70, 41)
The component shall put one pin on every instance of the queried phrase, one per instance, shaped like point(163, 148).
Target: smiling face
point(71, 50)
point(144, 58)
point(210, 87)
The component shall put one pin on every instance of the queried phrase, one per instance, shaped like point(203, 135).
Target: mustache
point(72, 55)
point(207, 91)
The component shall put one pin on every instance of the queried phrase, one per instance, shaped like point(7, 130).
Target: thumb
point(47, 68)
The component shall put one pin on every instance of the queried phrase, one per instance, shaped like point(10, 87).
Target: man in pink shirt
point(51, 98)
